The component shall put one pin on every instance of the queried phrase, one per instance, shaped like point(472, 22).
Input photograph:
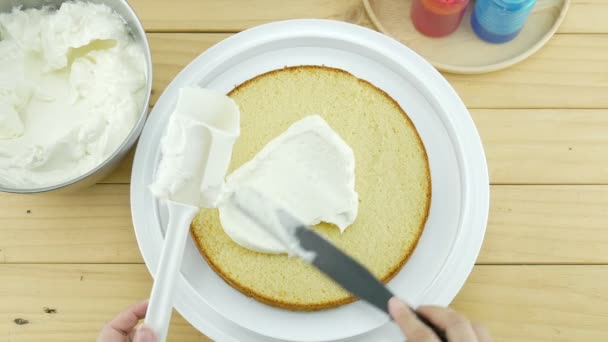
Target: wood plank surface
point(547, 146)
point(547, 225)
point(84, 296)
point(527, 225)
point(538, 303)
point(517, 303)
point(234, 16)
point(570, 72)
point(584, 16)
point(526, 146)
point(92, 225)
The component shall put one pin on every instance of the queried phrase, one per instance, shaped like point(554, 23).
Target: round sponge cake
point(392, 179)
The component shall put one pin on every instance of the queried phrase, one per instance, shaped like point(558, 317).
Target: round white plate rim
point(334, 29)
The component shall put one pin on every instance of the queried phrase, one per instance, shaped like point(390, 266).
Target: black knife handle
point(439, 332)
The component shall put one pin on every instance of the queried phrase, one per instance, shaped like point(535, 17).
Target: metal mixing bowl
point(139, 35)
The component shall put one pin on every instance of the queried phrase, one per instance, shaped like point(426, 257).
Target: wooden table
point(543, 271)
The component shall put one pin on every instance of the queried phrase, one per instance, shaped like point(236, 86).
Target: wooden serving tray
point(463, 52)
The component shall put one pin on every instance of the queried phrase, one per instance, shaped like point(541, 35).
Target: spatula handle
point(161, 298)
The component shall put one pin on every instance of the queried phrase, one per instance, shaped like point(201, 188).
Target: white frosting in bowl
point(72, 85)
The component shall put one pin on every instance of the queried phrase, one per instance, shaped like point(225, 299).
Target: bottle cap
point(445, 7)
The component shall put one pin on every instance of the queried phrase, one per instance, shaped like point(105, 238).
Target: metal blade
point(338, 266)
point(344, 270)
point(350, 274)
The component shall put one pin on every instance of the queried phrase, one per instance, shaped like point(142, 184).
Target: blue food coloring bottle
point(499, 21)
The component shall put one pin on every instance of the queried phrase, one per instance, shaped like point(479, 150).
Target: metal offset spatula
point(319, 252)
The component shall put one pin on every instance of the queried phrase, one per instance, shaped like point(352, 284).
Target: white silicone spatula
point(196, 152)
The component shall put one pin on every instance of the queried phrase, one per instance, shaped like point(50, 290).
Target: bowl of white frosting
point(75, 82)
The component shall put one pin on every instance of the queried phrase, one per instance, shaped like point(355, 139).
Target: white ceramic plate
point(454, 232)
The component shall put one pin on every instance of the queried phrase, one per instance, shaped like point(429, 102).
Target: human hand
point(457, 327)
point(122, 327)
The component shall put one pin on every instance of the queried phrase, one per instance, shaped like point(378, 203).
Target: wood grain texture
point(548, 146)
point(547, 225)
point(527, 146)
point(84, 296)
point(585, 16)
point(517, 303)
point(93, 225)
point(569, 72)
point(527, 224)
point(538, 303)
point(234, 16)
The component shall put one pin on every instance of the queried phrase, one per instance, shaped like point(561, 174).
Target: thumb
point(144, 334)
